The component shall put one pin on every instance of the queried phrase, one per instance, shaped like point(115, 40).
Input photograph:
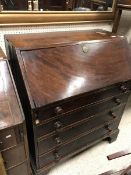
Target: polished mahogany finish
point(13, 141)
point(10, 112)
point(73, 88)
point(32, 41)
point(69, 79)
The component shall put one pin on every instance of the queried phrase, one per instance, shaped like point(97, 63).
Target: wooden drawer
point(73, 146)
point(50, 112)
point(21, 169)
point(78, 115)
point(7, 139)
point(45, 145)
point(14, 156)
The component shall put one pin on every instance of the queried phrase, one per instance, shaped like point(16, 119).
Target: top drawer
point(51, 111)
point(7, 139)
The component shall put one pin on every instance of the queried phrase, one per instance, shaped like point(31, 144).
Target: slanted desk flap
point(60, 72)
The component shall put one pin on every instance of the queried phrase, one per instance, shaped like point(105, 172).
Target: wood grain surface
point(57, 68)
point(10, 112)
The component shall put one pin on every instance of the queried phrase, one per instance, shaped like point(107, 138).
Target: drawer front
point(14, 156)
point(60, 138)
point(22, 169)
point(50, 112)
point(7, 139)
point(78, 115)
point(73, 146)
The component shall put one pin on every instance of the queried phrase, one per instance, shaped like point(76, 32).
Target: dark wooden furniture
point(122, 5)
point(73, 88)
point(13, 141)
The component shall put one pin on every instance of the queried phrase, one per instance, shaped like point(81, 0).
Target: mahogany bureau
point(73, 88)
point(14, 159)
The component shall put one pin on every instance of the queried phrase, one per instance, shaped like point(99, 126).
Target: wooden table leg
point(126, 171)
point(117, 20)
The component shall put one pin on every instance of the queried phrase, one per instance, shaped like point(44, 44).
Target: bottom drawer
point(14, 156)
point(73, 146)
point(22, 169)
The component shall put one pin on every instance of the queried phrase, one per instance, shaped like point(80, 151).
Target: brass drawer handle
point(113, 114)
point(58, 125)
point(58, 110)
point(123, 88)
point(85, 48)
point(57, 156)
point(108, 128)
point(58, 140)
point(117, 101)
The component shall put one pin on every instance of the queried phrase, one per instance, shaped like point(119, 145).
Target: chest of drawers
point(73, 88)
point(13, 141)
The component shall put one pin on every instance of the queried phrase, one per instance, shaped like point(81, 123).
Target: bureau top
point(45, 40)
point(10, 112)
point(63, 65)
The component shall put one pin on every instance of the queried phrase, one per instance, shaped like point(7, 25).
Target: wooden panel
point(10, 112)
point(19, 170)
point(93, 75)
point(31, 41)
point(14, 156)
point(12, 131)
point(7, 139)
point(54, 111)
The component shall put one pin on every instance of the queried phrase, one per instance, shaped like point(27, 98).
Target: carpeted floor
point(94, 161)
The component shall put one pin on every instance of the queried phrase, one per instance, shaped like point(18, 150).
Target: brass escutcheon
point(85, 48)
